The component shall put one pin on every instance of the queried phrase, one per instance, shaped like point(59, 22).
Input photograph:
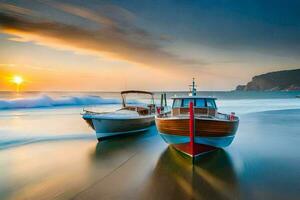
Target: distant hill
point(287, 80)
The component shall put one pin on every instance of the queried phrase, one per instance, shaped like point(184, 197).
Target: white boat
point(128, 119)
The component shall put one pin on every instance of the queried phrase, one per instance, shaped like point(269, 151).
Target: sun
point(17, 80)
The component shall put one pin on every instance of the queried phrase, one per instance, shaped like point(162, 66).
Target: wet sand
point(262, 163)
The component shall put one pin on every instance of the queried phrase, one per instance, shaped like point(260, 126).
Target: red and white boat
point(195, 126)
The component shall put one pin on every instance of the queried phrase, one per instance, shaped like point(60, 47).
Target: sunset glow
point(18, 80)
point(100, 46)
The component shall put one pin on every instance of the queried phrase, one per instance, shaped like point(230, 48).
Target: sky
point(157, 45)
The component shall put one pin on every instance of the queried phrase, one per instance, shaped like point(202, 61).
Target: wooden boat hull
point(209, 133)
point(111, 127)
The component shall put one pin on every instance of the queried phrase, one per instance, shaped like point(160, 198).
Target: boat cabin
point(202, 105)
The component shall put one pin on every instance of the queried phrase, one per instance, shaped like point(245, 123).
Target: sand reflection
point(174, 177)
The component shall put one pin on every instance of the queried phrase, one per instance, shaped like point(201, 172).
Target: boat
point(129, 119)
point(195, 126)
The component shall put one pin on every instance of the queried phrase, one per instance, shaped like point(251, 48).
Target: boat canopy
point(136, 91)
point(123, 94)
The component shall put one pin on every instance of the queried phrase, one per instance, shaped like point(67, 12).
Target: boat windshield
point(186, 102)
point(210, 103)
point(177, 103)
point(198, 103)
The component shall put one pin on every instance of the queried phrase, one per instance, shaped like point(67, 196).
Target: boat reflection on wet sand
point(118, 146)
point(211, 177)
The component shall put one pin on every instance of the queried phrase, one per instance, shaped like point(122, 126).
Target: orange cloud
point(117, 38)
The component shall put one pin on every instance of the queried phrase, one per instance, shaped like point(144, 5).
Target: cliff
point(274, 81)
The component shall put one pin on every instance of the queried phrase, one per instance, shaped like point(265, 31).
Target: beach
point(51, 153)
point(149, 100)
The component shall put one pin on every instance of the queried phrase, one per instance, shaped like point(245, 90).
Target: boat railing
point(89, 112)
point(197, 110)
point(182, 112)
point(217, 115)
point(226, 116)
point(222, 116)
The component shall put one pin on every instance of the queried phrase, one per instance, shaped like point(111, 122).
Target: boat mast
point(193, 89)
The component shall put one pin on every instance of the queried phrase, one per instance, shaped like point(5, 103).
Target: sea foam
point(47, 101)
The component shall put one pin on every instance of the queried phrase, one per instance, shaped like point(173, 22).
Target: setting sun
point(17, 80)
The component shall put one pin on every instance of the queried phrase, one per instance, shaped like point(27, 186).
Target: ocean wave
point(14, 142)
point(47, 101)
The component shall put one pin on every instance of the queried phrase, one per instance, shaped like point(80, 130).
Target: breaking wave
point(47, 101)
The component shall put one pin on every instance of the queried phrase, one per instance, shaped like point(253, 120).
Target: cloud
point(115, 37)
point(82, 12)
point(6, 7)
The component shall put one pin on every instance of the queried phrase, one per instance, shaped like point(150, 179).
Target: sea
point(47, 151)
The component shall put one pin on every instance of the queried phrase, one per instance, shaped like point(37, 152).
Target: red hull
point(198, 149)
